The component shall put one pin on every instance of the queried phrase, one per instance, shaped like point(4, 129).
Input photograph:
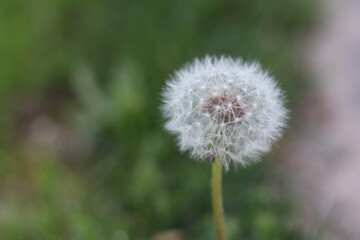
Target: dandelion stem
point(217, 204)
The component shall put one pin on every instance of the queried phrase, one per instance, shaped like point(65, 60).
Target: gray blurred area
point(324, 155)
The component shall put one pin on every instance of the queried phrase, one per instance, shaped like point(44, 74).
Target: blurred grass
point(82, 150)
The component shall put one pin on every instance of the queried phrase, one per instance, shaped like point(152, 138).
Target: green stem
point(217, 204)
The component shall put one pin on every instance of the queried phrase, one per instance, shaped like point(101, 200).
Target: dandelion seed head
point(224, 109)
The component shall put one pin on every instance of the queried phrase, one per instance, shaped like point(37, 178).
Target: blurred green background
point(83, 153)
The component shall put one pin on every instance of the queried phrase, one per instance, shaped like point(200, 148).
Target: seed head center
point(224, 110)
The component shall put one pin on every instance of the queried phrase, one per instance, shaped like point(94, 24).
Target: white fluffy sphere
point(224, 109)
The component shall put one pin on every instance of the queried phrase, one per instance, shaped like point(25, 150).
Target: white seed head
point(224, 109)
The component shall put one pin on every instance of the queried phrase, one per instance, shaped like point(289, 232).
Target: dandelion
point(223, 111)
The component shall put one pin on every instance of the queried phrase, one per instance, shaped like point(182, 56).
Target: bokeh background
point(83, 153)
